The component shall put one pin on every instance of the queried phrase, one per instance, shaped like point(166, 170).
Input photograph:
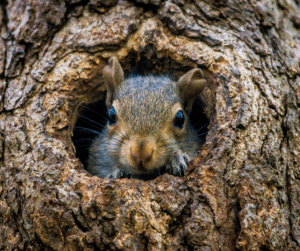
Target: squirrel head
point(148, 117)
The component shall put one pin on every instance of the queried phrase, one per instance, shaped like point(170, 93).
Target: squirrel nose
point(141, 155)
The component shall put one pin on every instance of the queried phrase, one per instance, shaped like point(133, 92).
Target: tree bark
point(242, 190)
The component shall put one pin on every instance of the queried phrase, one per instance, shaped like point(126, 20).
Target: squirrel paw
point(178, 164)
point(120, 174)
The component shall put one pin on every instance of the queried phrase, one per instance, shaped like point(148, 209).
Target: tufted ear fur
point(113, 76)
point(190, 85)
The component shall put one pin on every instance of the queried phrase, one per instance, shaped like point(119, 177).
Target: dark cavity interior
point(199, 120)
point(91, 121)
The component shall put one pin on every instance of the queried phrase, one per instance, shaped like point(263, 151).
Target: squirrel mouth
point(140, 166)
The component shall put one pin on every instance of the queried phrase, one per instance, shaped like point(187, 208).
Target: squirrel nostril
point(135, 155)
point(148, 156)
point(141, 156)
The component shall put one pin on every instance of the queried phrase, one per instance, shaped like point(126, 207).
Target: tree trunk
point(242, 190)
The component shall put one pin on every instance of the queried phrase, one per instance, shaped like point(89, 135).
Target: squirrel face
point(148, 117)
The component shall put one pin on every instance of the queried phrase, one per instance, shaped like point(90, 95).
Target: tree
point(242, 190)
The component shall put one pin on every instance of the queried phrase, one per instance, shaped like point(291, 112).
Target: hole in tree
point(93, 118)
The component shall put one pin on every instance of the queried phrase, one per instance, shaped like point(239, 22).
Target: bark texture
point(242, 190)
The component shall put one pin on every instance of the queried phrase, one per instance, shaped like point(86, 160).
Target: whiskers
point(93, 111)
point(91, 122)
point(201, 128)
point(86, 130)
point(168, 148)
point(114, 145)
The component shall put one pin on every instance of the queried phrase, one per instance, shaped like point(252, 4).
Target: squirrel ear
point(190, 85)
point(113, 76)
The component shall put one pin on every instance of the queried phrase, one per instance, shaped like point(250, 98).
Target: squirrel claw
point(178, 164)
point(120, 174)
point(169, 169)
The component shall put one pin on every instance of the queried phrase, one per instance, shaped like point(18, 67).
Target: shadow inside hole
point(91, 122)
point(199, 120)
point(143, 66)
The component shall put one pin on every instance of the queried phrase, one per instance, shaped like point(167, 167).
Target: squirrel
point(148, 131)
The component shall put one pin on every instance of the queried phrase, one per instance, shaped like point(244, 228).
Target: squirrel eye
point(112, 116)
point(179, 119)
